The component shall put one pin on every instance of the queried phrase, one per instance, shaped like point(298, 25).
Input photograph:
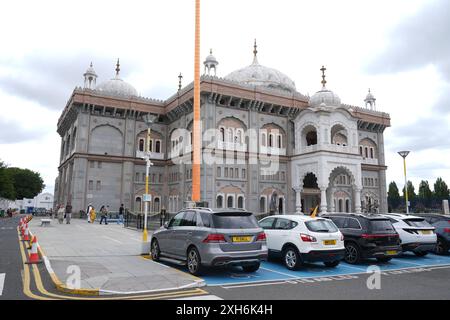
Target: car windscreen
point(234, 220)
point(420, 223)
point(321, 226)
point(379, 225)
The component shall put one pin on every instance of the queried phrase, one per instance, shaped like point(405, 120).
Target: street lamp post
point(404, 154)
point(149, 119)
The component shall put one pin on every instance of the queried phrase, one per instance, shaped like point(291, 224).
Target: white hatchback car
point(299, 239)
point(415, 233)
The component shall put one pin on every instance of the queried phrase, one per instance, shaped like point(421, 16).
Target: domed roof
point(90, 70)
point(117, 86)
point(369, 96)
point(211, 58)
point(324, 96)
point(259, 75)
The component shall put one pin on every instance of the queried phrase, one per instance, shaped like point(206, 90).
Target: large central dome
point(259, 75)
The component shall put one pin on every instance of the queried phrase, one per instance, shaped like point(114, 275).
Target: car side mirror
point(166, 225)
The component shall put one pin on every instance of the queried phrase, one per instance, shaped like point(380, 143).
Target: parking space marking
point(112, 239)
point(282, 273)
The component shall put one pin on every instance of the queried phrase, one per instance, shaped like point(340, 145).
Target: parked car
point(367, 236)
point(415, 233)
point(202, 237)
point(441, 223)
point(298, 239)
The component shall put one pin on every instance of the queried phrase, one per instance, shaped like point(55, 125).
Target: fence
point(154, 220)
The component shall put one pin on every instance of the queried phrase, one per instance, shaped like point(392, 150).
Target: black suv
point(367, 236)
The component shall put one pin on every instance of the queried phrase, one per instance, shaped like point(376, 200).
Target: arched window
point(141, 144)
point(371, 153)
point(361, 150)
point(311, 138)
point(230, 135)
point(230, 202)
point(156, 205)
point(219, 202)
point(262, 205)
point(347, 206)
point(366, 152)
point(150, 148)
point(74, 136)
point(137, 204)
point(341, 205)
point(270, 140)
point(280, 143)
point(240, 202)
point(222, 134)
point(158, 146)
point(239, 136)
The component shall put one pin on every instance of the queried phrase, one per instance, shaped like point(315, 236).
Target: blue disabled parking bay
point(274, 270)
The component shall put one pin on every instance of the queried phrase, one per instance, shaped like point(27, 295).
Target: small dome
point(325, 96)
point(259, 75)
point(211, 59)
point(90, 70)
point(117, 86)
point(369, 96)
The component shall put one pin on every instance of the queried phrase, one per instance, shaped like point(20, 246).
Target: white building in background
point(43, 200)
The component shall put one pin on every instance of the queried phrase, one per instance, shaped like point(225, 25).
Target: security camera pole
point(404, 154)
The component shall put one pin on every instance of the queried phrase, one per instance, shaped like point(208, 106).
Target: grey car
point(202, 237)
point(441, 223)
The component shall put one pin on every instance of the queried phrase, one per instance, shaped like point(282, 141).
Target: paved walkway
point(108, 257)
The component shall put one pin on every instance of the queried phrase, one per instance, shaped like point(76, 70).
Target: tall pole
point(196, 143)
point(147, 169)
point(404, 154)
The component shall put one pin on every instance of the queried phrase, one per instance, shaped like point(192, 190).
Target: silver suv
point(202, 237)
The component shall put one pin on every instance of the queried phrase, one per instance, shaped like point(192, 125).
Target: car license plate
point(391, 252)
point(426, 231)
point(329, 242)
point(242, 239)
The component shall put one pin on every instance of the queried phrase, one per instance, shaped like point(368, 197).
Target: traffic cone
point(34, 255)
point(26, 235)
point(31, 242)
point(22, 231)
point(20, 225)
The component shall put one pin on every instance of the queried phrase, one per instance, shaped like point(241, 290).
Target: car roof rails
point(202, 208)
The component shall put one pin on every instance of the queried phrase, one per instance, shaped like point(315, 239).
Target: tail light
point(214, 238)
point(342, 237)
point(447, 230)
point(307, 238)
point(261, 237)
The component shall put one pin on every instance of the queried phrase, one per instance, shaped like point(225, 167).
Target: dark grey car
point(202, 237)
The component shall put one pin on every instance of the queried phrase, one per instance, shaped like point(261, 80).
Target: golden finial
point(210, 51)
point(117, 67)
point(324, 82)
point(255, 49)
point(179, 81)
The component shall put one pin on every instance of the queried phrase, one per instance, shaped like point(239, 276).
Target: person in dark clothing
point(121, 212)
point(103, 215)
point(68, 212)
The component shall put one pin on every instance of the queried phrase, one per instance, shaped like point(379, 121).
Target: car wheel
point(291, 258)
point(421, 253)
point(251, 268)
point(441, 248)
point(352, 253)
point(156, 253)
point(332, 264)
point(384, 259)
point(194, 261)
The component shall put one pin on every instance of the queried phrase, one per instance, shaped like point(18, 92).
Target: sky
point(398, 48)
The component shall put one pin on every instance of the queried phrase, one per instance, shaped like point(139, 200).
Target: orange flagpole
point(196, 136)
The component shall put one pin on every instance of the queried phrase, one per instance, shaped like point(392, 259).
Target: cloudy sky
point(398, 48)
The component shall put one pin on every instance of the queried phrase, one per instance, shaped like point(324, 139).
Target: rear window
point(321, 226)
point(420, 223)
point(234, 220)
point(381, 225)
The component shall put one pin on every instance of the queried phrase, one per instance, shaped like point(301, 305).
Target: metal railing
point(135, 220)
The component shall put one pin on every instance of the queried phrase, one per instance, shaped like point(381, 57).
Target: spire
point(180, 77)
point(90, 77)
point(324, 82)
point(210, 51)
point(117, 68)
point(255, 53)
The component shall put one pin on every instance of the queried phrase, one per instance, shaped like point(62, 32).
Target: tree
point(411, 191)
point(393, 195)
point(425, 194)
point(6, 183)
point(441, 191)
point(27, 183)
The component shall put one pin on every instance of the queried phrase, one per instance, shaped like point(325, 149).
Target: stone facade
point(264, 149)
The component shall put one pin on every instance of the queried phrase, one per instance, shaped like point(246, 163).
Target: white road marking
point(282, 273)
point(2, 282)
point(208, 297)
point(112, 239)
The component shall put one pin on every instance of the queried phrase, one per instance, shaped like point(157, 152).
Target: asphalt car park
point(274, 270)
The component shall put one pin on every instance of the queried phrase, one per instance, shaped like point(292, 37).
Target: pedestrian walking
point(68, 212)
point(88, 212)
point(92, 215)
point(162, 216)
point(103, 215)
point(60, 213)
point(121, 211)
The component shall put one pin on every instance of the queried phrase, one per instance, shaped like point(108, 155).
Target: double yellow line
point(45, 295)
